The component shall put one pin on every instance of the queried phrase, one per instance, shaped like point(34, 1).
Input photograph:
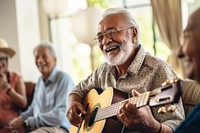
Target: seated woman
point(12, 89)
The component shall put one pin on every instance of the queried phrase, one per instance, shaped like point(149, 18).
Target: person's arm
point(170, 120)
point(29, 110)
point(142, 118)
point(75, 109)
point(19, 94)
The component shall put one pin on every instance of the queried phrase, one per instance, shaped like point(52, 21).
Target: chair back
point(191, 95)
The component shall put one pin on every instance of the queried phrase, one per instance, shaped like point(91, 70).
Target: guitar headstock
point(170, 92)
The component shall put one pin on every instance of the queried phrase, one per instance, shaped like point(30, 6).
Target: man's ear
point(134, 32)
point(134, 35)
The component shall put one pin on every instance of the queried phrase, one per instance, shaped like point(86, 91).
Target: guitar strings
point(114, 107)
point(100, 110)
point(138, 101)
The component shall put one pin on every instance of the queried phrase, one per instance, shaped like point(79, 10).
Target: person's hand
point(137, 118)
point(3, 82)
point(74, 113)
point(16, 125)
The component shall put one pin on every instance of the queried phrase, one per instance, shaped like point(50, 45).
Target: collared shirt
point(49, 104)
point(144, 74)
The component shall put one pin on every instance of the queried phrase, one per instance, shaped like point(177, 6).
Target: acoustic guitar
point(103, 106)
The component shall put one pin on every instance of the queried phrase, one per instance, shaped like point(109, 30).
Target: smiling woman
point(12, 89)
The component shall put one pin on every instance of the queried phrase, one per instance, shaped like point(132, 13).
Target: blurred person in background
point(12, 89)
point(46, 114)
point(190, 53)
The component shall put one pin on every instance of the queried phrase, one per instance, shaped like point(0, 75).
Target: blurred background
point(72, 24)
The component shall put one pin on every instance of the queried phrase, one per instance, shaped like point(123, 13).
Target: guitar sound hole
point(92, 117)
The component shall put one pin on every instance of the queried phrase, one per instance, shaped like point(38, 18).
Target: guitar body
point(94, 101)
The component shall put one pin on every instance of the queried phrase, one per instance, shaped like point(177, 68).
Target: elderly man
point(190, 52)
point(130, 69)
point(47, 112)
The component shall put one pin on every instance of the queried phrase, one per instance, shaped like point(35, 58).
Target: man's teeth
point(109, 49)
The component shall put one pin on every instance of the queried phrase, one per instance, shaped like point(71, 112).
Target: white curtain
point(167, 14)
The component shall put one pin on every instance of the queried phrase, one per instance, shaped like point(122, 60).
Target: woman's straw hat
point(4, 48)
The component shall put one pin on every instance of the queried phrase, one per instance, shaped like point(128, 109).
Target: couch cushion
point(30, 86)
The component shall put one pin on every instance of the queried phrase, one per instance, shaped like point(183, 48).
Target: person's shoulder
point(64, 77)
point(104, 66)
point(62, 73)
point(15, 74)
point(150, 59)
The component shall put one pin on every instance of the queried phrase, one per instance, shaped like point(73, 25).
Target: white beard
point(122, 57)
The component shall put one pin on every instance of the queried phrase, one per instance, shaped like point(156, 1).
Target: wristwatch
point(26, 125)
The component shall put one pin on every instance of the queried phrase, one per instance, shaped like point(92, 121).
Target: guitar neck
point(113, 109)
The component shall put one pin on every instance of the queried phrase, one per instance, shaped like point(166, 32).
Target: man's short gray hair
point(127, 15)
point(46, 44)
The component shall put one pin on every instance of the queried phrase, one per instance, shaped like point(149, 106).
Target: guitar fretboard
point(113, 109)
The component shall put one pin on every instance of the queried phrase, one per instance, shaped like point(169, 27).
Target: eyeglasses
point(185, 35)
point(110, 33)
point(3, 58)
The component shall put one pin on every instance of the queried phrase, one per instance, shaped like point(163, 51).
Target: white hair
point(127, 15)
point(46, 44)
